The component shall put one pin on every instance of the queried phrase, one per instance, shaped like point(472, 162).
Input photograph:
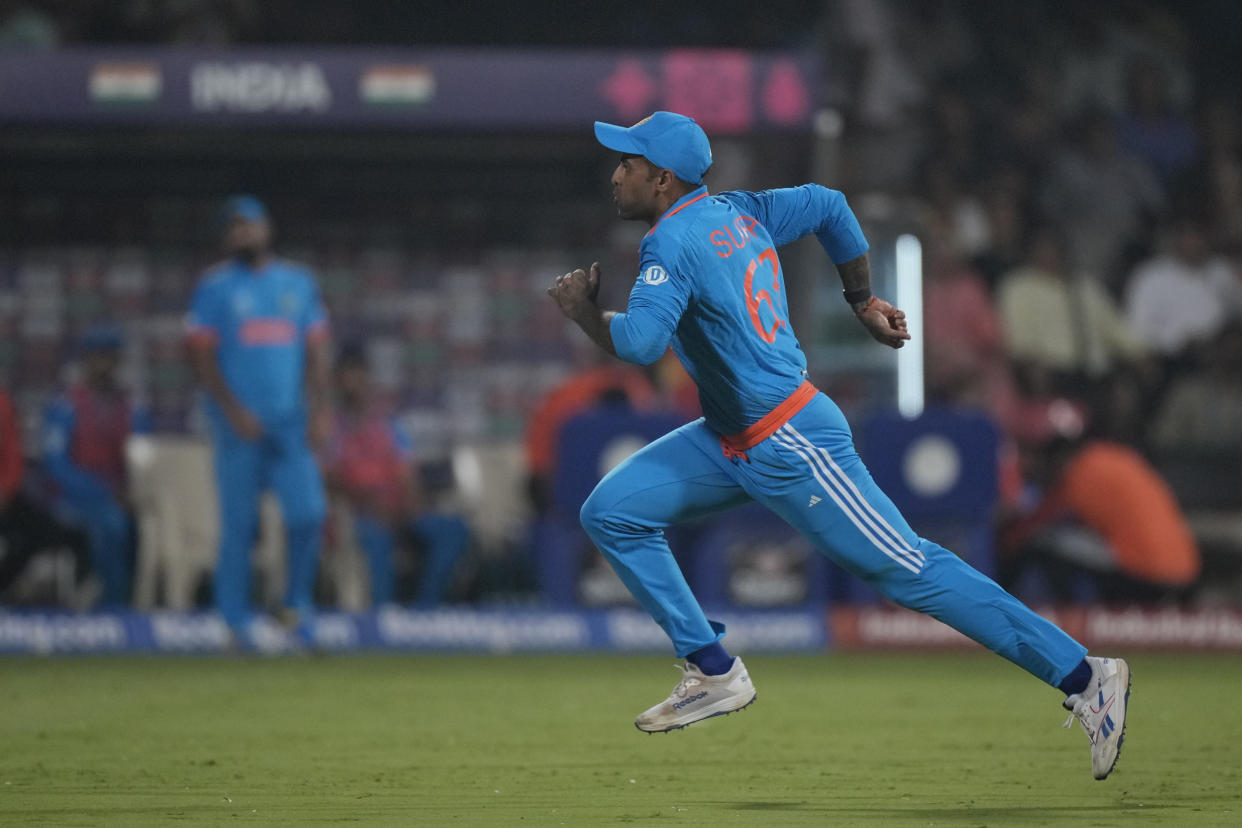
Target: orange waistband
point(771, 421)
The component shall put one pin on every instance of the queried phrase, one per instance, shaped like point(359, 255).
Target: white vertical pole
point(910, 299)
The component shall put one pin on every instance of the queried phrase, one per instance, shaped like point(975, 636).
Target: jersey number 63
point(753, 299)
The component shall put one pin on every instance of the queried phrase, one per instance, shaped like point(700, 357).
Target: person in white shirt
point(1184, 296)
point(1061, 322)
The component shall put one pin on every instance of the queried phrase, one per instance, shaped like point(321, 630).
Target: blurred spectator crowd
point(48, 23)
point(1074, 172)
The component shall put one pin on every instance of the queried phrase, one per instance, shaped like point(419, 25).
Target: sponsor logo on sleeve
point(655, 275)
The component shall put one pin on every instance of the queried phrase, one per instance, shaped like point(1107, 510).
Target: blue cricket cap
point(241, 207)
point(666, 139)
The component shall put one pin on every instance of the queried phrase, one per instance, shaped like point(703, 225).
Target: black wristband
point(857, 298)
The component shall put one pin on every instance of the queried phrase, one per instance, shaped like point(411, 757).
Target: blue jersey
point(260, 322)
point(84, 437)
point(710, 283)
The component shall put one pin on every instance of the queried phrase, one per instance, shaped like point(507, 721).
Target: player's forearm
point(318, 375)
point(856, 280)
point(209, 377)
point(596, 323)
point(856, 273)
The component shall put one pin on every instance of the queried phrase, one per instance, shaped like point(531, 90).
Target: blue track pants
point(809, 474)
point(283, 461)
point(110, 532)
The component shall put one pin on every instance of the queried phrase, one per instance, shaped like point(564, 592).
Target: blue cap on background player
point(666, 139)
point(245, 207)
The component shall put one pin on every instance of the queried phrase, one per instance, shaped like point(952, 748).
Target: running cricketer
point(710, 283)
point(258, 336)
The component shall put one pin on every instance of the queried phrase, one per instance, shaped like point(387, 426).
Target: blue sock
point(713, 660)
point(1077, 680)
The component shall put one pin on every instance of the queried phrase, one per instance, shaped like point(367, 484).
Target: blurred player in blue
point(84, 435)
point(711, 285)
point(259, 342)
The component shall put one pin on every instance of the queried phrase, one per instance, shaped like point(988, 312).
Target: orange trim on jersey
point(675, 211)
point(735, 445)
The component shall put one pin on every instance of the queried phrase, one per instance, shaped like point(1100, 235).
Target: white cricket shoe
point(1101, 710)
point(697, 697)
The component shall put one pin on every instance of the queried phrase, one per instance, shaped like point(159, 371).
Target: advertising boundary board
point(853, 629)
point(728, 91)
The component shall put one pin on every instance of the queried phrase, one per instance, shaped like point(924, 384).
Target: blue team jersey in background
point(710, 282)
point(261, 322)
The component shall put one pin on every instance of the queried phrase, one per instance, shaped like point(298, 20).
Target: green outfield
point(548, 740)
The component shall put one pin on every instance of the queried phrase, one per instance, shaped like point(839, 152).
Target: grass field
point(547, 740)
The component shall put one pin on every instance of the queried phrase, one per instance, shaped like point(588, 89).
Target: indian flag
point(125, 83)
point(397, 85)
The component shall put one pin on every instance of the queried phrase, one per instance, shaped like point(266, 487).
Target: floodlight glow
point(910, 300)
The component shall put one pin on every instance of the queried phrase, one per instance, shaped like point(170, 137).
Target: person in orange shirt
point(1105, 514)
point(582, 390)
point(663, 387)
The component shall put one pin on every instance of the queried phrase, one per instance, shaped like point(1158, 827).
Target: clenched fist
point(576, 289)
point(885, 322)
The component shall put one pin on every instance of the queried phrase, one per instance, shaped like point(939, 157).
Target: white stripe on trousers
point(908, 558)
point(843, 479)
